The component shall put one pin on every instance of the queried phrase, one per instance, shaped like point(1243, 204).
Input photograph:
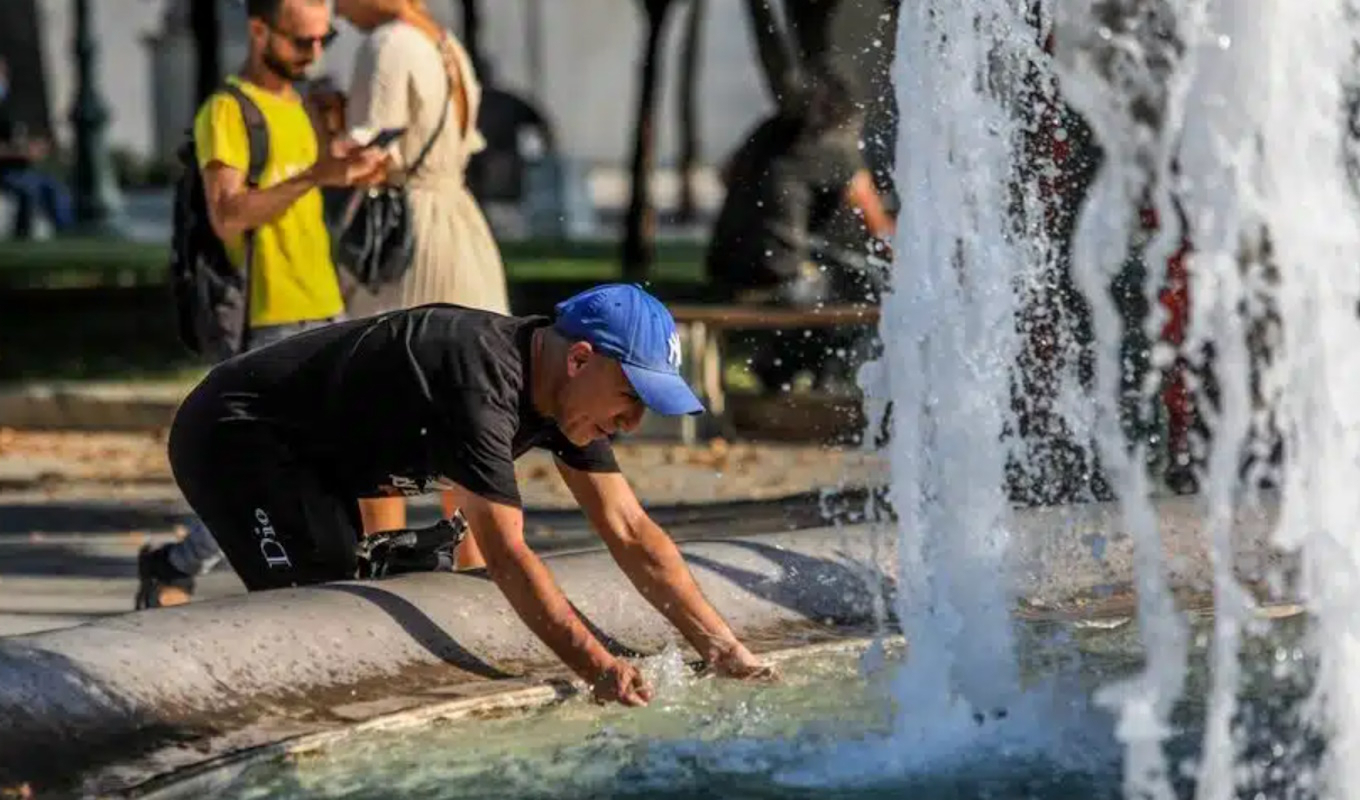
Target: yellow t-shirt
point(292, 277)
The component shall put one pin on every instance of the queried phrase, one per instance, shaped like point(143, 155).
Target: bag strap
point(257, 138)
point(443, 114)
point(257, 134)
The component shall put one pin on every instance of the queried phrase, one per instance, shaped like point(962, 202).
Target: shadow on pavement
point(733, 517)
point(70, 516)
point(57, 559)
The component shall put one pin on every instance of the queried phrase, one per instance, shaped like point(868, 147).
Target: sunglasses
point(307, 42)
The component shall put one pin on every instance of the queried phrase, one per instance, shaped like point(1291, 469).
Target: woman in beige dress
point(408, 70)
point(405, 70)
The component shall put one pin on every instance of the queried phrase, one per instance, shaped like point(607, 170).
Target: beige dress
point(401, 79)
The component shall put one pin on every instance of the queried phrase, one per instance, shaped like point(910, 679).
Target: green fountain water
point(831, 728)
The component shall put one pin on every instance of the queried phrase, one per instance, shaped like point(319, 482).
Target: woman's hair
point(398, 6)
point(423, 19)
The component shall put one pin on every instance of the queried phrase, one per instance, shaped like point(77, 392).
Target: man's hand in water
point(621, 682)
point(653, 563)
point(735, 661)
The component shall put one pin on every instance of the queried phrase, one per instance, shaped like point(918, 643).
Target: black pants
point(275, 516)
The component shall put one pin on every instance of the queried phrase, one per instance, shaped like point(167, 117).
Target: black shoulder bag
point(373, 239)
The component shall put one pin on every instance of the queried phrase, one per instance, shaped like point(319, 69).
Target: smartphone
point(385, 137)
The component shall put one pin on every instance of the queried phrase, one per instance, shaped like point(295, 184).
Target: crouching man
point(273, 447)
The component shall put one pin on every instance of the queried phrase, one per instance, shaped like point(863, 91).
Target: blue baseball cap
point(630, 326)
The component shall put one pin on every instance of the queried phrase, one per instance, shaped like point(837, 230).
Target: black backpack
point(212, 296)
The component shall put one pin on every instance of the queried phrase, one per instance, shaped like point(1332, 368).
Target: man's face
point(293, 42)
point(596, 400)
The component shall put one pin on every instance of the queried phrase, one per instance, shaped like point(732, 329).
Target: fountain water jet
point(1253, 117)
point(1122, 65)
point(1232, 119)
point(950, 334)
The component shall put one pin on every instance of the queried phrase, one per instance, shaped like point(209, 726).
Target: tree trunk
point(472, 33)
point(640, 222)
point(776, 59)
point(689, 108)
point(207, 34)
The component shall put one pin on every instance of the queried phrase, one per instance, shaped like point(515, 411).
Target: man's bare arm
point(863, 195)
point(526, 582)
point(654, 565)
point(234, 208)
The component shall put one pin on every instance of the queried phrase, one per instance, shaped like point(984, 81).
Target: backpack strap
point(257, 133)
point(257, 138)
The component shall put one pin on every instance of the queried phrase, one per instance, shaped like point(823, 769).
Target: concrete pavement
point(75, 507)
point(64, 562)
point(50, 581)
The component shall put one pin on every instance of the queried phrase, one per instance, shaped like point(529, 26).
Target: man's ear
point(259, 29)
point(578, 355)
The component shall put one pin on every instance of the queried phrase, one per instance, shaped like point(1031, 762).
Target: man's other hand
point(347, 163)
point(738, 662)
point(622, 683)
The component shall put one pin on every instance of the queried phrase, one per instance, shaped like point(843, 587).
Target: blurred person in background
point(516, 133)
point(779, 236)
point(20, 174)
point(408, 73)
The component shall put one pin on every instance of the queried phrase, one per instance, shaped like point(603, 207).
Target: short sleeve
point(220, 134)
point(379, 90)
point(598, 456)
point(479, 450)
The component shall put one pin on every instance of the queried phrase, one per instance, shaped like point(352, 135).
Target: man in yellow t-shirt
point(293, 285)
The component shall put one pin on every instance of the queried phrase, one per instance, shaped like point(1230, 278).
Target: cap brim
point(663, 392)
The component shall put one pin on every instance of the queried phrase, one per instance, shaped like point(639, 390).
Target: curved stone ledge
point(106, 705)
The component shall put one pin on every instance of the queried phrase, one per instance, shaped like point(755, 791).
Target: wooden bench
point(702, 327)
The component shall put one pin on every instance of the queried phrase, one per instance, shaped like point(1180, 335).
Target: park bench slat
point(703, 326)
point(753, 317)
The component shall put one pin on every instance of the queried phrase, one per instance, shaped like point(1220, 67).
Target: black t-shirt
point(782, 185)
point(406, 402)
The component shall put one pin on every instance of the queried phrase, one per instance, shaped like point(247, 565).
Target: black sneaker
point(411, 549)
point(154, 573)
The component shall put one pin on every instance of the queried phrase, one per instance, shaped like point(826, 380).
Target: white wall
point(119, 26)
point(590, 65)
point(590, 70)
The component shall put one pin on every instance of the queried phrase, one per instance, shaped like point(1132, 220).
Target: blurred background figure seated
point(22, 178)
point(802, 226)
point(517, 134)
